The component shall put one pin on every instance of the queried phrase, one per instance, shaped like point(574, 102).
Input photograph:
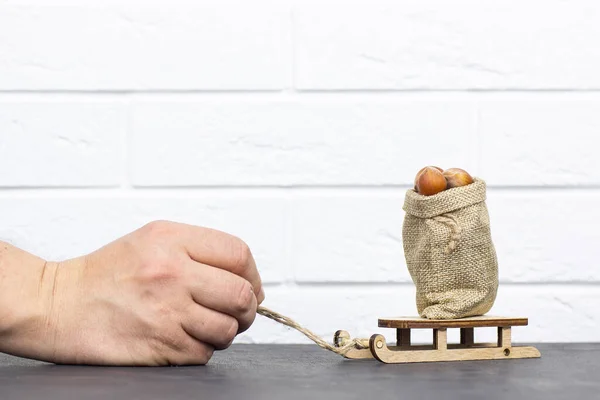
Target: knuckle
point(158, 229)
point(159, 261)
point(243, 298)
point(159, 267)
point(246, 322)
point(230, 333)
point(241, 254)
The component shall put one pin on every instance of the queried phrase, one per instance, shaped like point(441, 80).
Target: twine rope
point(455, 230)
point(342, 350)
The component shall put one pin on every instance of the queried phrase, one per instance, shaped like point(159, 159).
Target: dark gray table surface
point(308, 372)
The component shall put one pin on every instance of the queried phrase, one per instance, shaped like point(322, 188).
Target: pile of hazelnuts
point(432, 180)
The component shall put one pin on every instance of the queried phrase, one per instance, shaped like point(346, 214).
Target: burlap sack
point(449, 252)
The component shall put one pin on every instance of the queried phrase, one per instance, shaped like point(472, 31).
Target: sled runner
point(440, 350)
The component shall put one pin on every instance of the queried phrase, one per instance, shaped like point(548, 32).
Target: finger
point(210, 326)
point(192, 352)
point(223, 292)
point(219, 249)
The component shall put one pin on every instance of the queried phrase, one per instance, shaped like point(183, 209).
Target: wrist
point(30, 289)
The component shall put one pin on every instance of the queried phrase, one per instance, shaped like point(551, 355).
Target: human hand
point(165, 294)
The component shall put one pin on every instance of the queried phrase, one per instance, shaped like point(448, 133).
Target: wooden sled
point(440, 350)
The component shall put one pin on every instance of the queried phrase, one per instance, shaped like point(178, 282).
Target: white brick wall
point(317, 140)
point(436, 44)
point(130, 45)
point(61, 143)
point(299, 125)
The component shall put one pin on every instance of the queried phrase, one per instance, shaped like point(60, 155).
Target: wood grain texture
point(387, 355)
point(471, 322)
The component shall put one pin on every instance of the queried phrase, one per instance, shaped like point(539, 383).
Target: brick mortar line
point(265, 189)
point(296, 91)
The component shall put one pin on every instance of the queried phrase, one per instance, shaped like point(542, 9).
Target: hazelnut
point(457, 177)
point(421, 171)
point(430, 181)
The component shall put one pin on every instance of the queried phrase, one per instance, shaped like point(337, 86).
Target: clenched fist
point(166, 294)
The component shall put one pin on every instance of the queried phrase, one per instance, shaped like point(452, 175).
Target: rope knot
point(455, 230)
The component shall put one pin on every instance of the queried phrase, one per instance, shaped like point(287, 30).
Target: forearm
point(24, 290)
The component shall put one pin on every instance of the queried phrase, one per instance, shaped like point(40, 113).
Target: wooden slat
point(471, 322)
point(440, 339)
point(403, 337)
point(504, 339)
point(467, 336)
